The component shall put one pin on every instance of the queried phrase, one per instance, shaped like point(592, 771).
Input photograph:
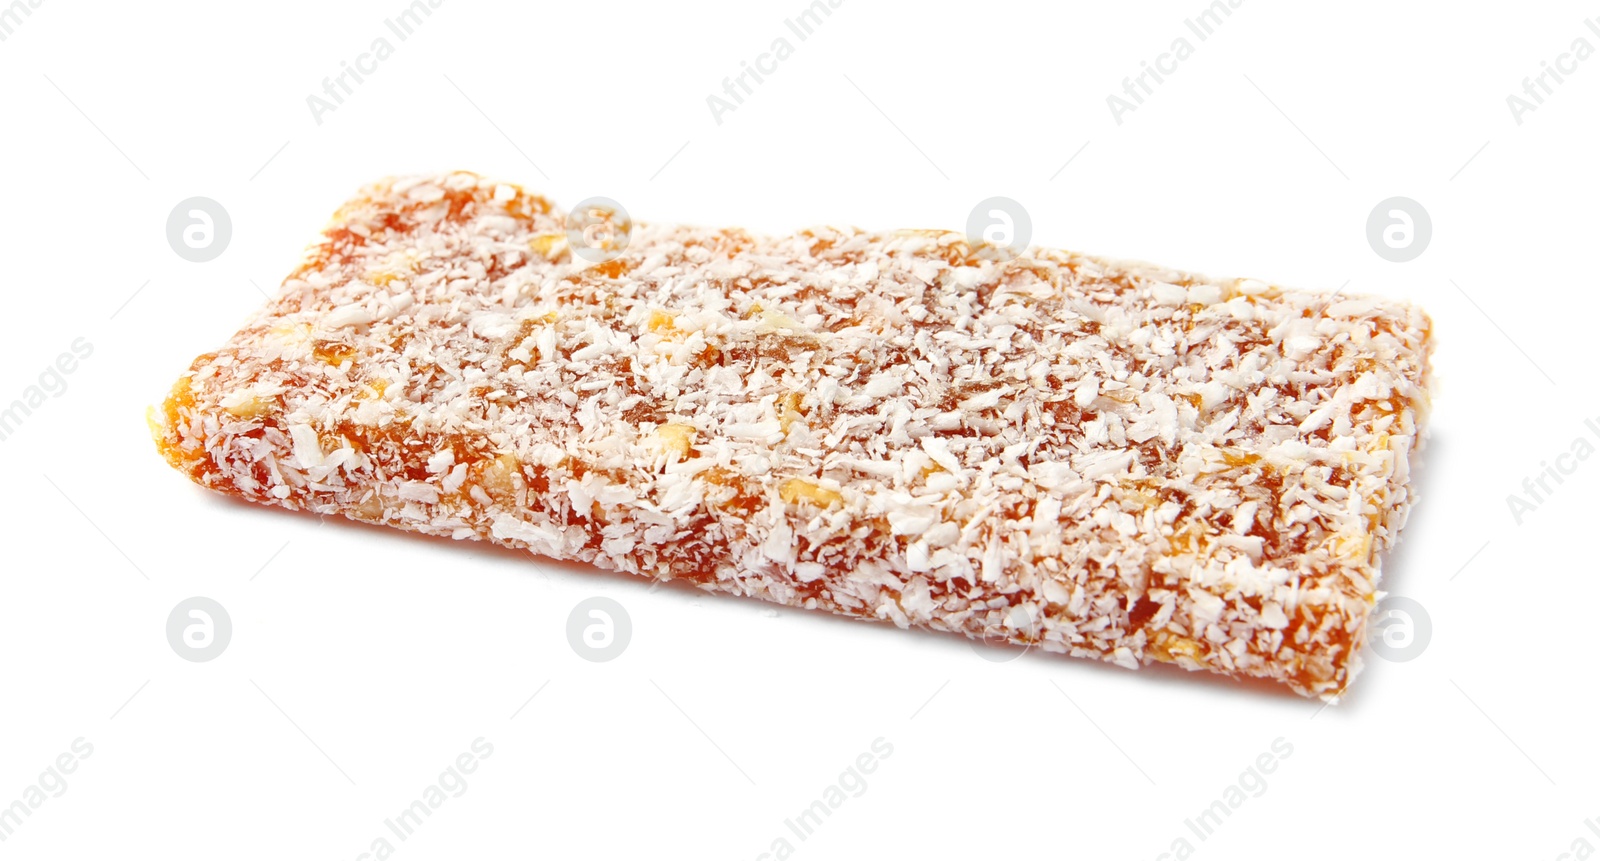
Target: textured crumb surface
point(1103, 459)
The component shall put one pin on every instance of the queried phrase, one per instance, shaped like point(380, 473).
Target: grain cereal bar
point(1101, 459)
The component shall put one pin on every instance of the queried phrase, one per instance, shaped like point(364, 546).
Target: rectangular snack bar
point(1101, 459)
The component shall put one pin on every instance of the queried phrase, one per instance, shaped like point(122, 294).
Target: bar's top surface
point(1152, 465)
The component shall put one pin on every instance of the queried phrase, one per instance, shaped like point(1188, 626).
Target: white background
point(363, 661)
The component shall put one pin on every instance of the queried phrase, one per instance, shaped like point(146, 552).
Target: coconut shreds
point(1102, 459)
